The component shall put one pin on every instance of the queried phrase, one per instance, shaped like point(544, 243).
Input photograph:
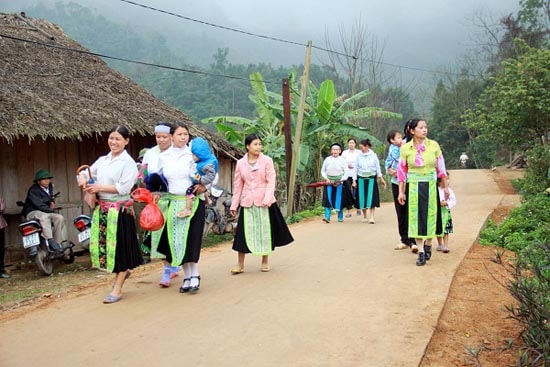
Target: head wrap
point(337, 145)
point(162, 129)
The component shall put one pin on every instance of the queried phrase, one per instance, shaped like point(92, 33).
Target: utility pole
point(298, 133)
point(287, 130)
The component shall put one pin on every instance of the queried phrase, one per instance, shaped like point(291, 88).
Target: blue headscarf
point(201, 149)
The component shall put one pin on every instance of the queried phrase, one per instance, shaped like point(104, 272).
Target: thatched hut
point(56, 106)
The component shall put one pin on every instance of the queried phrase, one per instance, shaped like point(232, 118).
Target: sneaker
point(174, 271)
point(440, 248)
point(400, 246)
point(414, 249)
point(166, 276)
point(421, 261)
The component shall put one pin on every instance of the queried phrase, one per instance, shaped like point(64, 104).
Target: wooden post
point(298, 133)
point(287, 130)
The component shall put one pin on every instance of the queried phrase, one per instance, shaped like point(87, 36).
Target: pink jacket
point(254, 185)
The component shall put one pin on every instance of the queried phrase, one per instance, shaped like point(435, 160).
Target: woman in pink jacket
point(261, 225)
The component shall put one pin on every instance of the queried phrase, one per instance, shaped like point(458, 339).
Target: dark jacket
point(38, 199)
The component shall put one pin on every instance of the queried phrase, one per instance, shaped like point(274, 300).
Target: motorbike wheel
point(68, 256)
point(43, 261)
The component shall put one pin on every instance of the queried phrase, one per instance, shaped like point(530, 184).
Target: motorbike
point(83, 224)
point(215, 221)
point(39, 250)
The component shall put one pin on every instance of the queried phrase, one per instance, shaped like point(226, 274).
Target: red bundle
point(151, 218)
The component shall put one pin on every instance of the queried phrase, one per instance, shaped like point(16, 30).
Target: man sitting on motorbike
point(40, 205)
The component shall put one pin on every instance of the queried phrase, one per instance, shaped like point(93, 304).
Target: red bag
point(142, 195)
point(151, 218)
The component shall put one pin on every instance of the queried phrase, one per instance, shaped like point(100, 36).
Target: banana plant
point(327, 119)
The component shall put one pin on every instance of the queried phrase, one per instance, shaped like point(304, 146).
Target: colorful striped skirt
point(423, 202)
point(260, 230)
point(113, 239)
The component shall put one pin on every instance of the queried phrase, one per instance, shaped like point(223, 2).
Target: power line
point(276, 39)
point(69, 49)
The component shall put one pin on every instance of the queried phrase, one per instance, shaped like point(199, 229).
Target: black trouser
point(2, 248)
point(402, 216)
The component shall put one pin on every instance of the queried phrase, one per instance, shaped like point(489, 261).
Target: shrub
point(531, 288)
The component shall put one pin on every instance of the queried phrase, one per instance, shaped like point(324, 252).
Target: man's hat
point(42, 174)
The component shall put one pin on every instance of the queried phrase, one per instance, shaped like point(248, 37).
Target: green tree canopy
point(515, 108)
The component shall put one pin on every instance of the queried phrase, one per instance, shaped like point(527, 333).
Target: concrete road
point(338, 296)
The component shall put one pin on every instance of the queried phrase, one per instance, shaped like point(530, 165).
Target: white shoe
point(439, 248)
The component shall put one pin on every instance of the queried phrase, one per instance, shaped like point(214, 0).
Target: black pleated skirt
point(280, 234)
point(194, 238)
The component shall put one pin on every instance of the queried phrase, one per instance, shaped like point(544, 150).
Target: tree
point(515, 109)
point(327, 119)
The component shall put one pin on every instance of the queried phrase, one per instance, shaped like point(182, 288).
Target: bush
point(531, 288)
point(525, 224)
point(308, 213)
point(536, 173)
point(526, 231)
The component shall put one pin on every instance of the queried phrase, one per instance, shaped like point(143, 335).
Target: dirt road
point(338, 296)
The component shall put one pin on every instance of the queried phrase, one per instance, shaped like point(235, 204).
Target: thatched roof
point(51, 93)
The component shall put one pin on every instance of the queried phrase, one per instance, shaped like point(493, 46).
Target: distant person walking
point(350, 156)
point(463, 160)
point(366, 176)
point(420, 164)
point(334, 172)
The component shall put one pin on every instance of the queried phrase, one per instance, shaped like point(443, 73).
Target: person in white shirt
point(149, 167)
point(350, 156)
point(180, 239)
point(334, 171)
point(463, 160)
point(114, 245)
point(367, 170)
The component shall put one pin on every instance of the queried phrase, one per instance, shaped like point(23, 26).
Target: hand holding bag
point(151, 218)
point(83, 181)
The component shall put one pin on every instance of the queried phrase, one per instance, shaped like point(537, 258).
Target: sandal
point(236, 270)
point(185, 288)
point(111, 299)
point(195, 288)
point(265, 268)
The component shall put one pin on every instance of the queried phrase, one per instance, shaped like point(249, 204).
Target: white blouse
point(334, 166)
point(120, 171)
point(350, 157)
point(176, 166)
point(151, 158)
point(367, 163)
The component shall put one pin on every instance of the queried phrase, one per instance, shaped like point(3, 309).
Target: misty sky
point(427, 34)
